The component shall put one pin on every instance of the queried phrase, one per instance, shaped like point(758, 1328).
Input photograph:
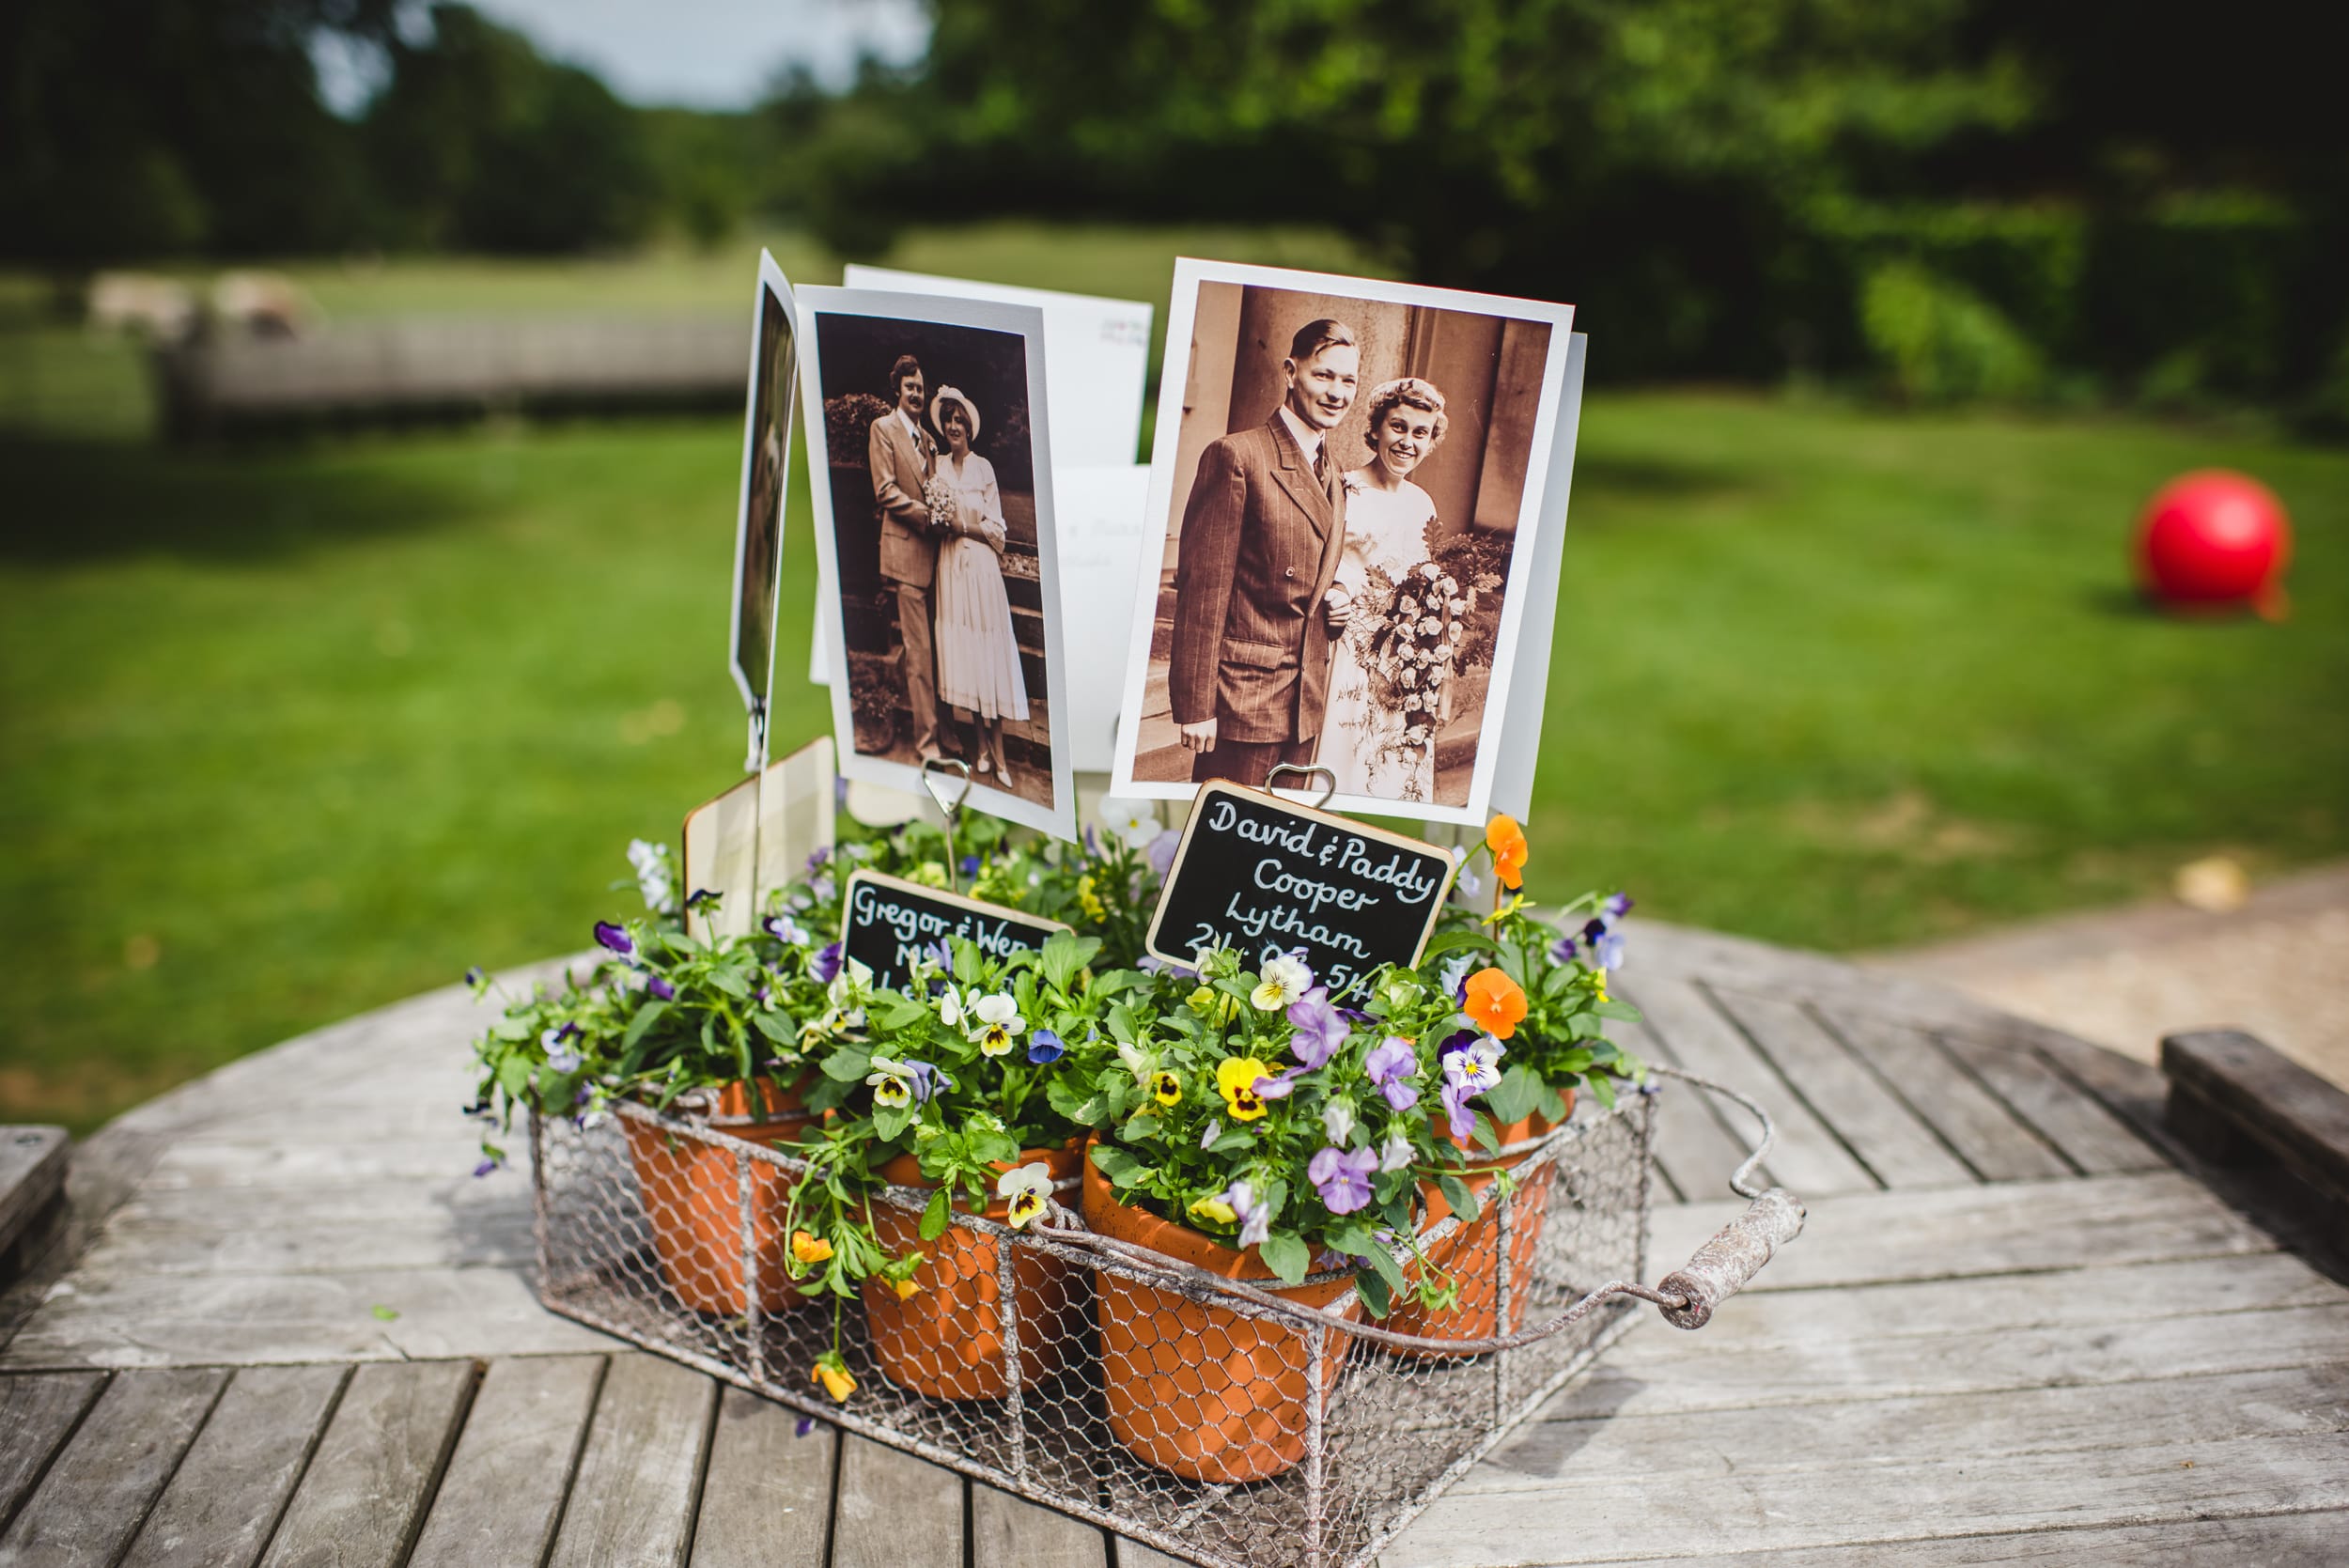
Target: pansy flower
point(1283, 981)
point(833, 1373)
point(1160, 854)
point(1320, 1029)
point(560, 1056)
point(1397, 1152)
point(1235, 1080)
point(996, 1023)
point(1493, 1003)
point(1337, 1120)
point(614, 938)
point(660, 989)
point(892, 1083)
point(787, 931)
point(1133, 823)
point(826, 963)
point(1392, 1065)
point(1254, 1215)
point(1046, 1047)
point(1029, 1187)
point(1342, 1176)
point(1507, 840)
point(1166, 1087)
point(809, 1249)
point(1214, 1207)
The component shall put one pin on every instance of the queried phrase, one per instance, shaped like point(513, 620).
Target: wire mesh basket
point(1233, 1422)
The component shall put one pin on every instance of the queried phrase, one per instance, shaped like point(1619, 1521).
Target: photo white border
point(770, 278)
point(1182, 310)
point(1026, 322)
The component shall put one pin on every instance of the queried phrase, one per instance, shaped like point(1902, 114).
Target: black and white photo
point(1344, 490)
point(936, 538)
point(767, 410)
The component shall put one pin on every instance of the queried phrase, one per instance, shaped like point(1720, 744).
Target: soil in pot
point(1196, 1390)
point(946, 1339)
point(1471, 1254)
point(693, 1203)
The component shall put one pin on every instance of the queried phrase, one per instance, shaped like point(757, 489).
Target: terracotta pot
point(1195, 1389)
point(946, 1339)
point(693, 1206)
point(1473, 1252)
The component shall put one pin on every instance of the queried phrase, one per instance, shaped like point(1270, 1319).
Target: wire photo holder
point(1210, 1418)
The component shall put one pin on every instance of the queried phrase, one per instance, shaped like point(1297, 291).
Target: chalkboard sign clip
point(950, 799)
point(1328, 787)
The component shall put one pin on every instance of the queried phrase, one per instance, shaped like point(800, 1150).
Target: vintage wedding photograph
point(941, 578)
point(1345, 488)
point(768, 407)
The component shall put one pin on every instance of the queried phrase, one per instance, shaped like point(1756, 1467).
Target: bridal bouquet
point(1413, 646)
point(938, 496)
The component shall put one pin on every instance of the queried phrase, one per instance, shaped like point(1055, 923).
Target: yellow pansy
point(907, 1289)
point(1235, 1081)
point(1215, 1208)
point(1166, 1088)
point(834, 1377)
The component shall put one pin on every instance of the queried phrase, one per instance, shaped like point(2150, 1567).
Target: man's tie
point(1321, 455)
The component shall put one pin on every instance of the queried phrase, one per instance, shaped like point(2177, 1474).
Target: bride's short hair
point(1408, 391)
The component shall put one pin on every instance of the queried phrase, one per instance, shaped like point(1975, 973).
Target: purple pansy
point(1319, 1030)
point(822, 888)
point(941, 955)
point(1618, 905)
point(1046, 1047)
point(1254, 1217)
point(1454, 977)
point(474, 975)
point(700, 896)
point(1563, 950)
point(785, 930)
point(486, 1165)
point(1342, 1176)
point(614, 938)
point(1160, 854)
point(805, 1426)
point(970, 864)
point(561, 1057)
point(927, 1080)
point(816, 856)
point(826, 963)
point(1467, 1073)
point(1279, 1086)
point(659, 988)
point(1391, 1066)
point(1152, 964)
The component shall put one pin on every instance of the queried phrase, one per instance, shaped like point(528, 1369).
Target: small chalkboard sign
point(1258, 875)
point(889, 922)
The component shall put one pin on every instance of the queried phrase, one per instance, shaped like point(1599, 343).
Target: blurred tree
point(145, 127)
point(481, 143)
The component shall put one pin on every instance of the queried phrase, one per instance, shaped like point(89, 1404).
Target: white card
point(1101, 536)
point(757, 836)
point(1528, 685)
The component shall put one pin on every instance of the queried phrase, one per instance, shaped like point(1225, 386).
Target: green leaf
point(1071, 1101)
point(1351, 1235)
point(1372, 1287)
point(1604, 1087)
point(1460, 1196)
point(1284, 1252)
point(387, 1314)
point(1451, 942)
point(1513, 1097)
point(645, 1017)
point(1116, 1164)
point(934, 1215)
point(514, 1076)
point(1623, 1010)
point(1488, 1135)
point(896, 1010)
point(776, 1028)
point(1139, 1125)
point(1383, 1261)
point(730, 983)
point(890, 1122)
point(849, 1064)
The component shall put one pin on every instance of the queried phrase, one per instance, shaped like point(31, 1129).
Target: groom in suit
point(900, 455)
point(1249, 673)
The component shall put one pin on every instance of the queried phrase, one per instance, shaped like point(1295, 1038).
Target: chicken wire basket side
point(1231, 1423)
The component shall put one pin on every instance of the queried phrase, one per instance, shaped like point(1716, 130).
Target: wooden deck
point(2014, 1332)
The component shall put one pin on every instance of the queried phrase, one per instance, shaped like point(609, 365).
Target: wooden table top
point(298, 1331)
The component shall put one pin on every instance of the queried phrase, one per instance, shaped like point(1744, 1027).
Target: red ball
point(2215, 538)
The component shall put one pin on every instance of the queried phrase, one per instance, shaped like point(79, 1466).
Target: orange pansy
point(1494, 1003)
point(1507, 840)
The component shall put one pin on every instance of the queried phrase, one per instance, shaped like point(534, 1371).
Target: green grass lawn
point(289, 732)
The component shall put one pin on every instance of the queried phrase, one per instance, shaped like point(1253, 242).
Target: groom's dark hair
point(1313, 336)
point(907, 366)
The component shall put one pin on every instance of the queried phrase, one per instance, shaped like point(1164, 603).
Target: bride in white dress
point(1380, 748)
point(978, 659)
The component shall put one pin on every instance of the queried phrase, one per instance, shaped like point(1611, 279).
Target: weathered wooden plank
point(1879, 1127)
point(1854, 1435)
point(1977, 1123)
point(261, 1161)
point(2286, 1112)
point(2081, 1129)
point(221, 1505)
point(1009, 1532)
point(245, 1320)
point(893, 1510)
point(1695, 1150)
point(101, 1486)
point(1653, 1376)
point(2113, 1297)
point(32, 1176)
point(36, 1415)
point(505, 1482)
point(640, 1475)
point(1942, 1232)
point(365, 1492)
point(767, 1502)
point(1133, 1554)
point(2270, 1541)
point(295, 1241)
point(1915, 1497)
point(1807, 1156)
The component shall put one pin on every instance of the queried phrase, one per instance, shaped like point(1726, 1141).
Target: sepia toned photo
point(937, 543)
point(1346, 477)
point(769, 408)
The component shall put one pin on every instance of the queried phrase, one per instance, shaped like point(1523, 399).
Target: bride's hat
point(969, 409)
